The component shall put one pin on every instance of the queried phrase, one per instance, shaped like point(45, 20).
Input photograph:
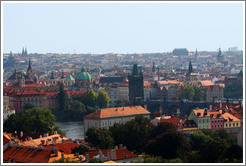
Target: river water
point(73, 129)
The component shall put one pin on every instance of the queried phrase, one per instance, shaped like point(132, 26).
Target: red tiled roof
point(32, 92)
point(5, 139)
point(76, 92)
point(34, 85)
point(119, 111)
point(26, 155)
point(64, 147)
point(174, 121)
point(51, 93)
point(228, 116)
point(120, 153)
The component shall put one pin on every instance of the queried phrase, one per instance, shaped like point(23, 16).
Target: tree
point(120, 103)
point(211, 151)
point(81, 149)
point(100, 137)
point(188, 92)
point(95, 160)
point(89, 98)
point(77, 106)
point(199, 93)
point(133, 134)
point(62, 95)
point(103, 99)
point(32, 120)
point(192, 92)
point(169, 145)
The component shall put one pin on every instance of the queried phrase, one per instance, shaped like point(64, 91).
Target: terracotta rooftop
point(64, 147)
point(228, 117)
point(199, 112)
point(120, 153)
point(119, 111)
point(26, 154)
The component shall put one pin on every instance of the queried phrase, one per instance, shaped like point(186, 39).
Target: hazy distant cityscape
point(120, 82)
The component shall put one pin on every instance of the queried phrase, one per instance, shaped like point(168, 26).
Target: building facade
point(104, 118)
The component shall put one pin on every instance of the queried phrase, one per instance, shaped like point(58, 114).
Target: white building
point(7, 111)
point(104, 118)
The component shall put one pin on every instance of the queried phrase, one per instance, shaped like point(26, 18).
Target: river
point(73, 129)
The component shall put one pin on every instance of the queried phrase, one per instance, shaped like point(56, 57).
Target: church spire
point(30, 65)
point(219, 54)
point(190, 67)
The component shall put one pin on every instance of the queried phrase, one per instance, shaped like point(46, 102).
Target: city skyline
point(100, 28)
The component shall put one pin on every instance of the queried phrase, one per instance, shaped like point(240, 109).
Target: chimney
point(21, 134)
point(145, 106)
point(47, 142)
point(55, 132)
point(55, 150)
point(62, 155)
point(116, 147)
point(54, 141)
point(220, 104)
point(160, 110)
point(62, 140)
point(210, 107)
point(121, 146)
point(113, 154)
point(40, 136)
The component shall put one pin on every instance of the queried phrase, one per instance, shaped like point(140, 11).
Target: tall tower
point(220, 57)
point(22, 80)
point(136, 90)
point(190, 70)
point(30, 71)
point(153, 68)
point(196, 55)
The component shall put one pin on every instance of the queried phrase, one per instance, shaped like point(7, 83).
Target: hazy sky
point(121, 28)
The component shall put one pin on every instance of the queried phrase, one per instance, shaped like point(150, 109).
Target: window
point(226, 125)
point(221, 126)
point(214, 126)
point(207, 120)
point(233, 124)
point(200, 121)
point(229, 125)
point(203, 120)
point(237, 124)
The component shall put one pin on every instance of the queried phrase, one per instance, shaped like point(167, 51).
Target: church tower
point(22, 80)
point(30, 71)
point(136, 90)
point(220, 57)
point(190, 70)
point(196, 55)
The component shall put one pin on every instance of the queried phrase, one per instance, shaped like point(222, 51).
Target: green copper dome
point(70, 78)
point(83, 75)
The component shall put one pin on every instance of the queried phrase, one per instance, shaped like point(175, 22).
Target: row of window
point(233, 125)
point(203, 120)
point(217, 121)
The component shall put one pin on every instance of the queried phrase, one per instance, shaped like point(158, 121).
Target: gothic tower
point(136, 90)
point(30, 71)
point(220, 57)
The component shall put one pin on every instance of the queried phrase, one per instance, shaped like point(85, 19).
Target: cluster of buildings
point(50, 147)
point(157, 77)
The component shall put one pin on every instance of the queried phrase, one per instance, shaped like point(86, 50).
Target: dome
point(70, 78)
point(83, 75)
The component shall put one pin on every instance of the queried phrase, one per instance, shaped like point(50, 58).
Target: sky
point(100, 28)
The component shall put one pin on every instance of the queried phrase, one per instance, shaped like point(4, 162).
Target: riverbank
point(73, 129)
